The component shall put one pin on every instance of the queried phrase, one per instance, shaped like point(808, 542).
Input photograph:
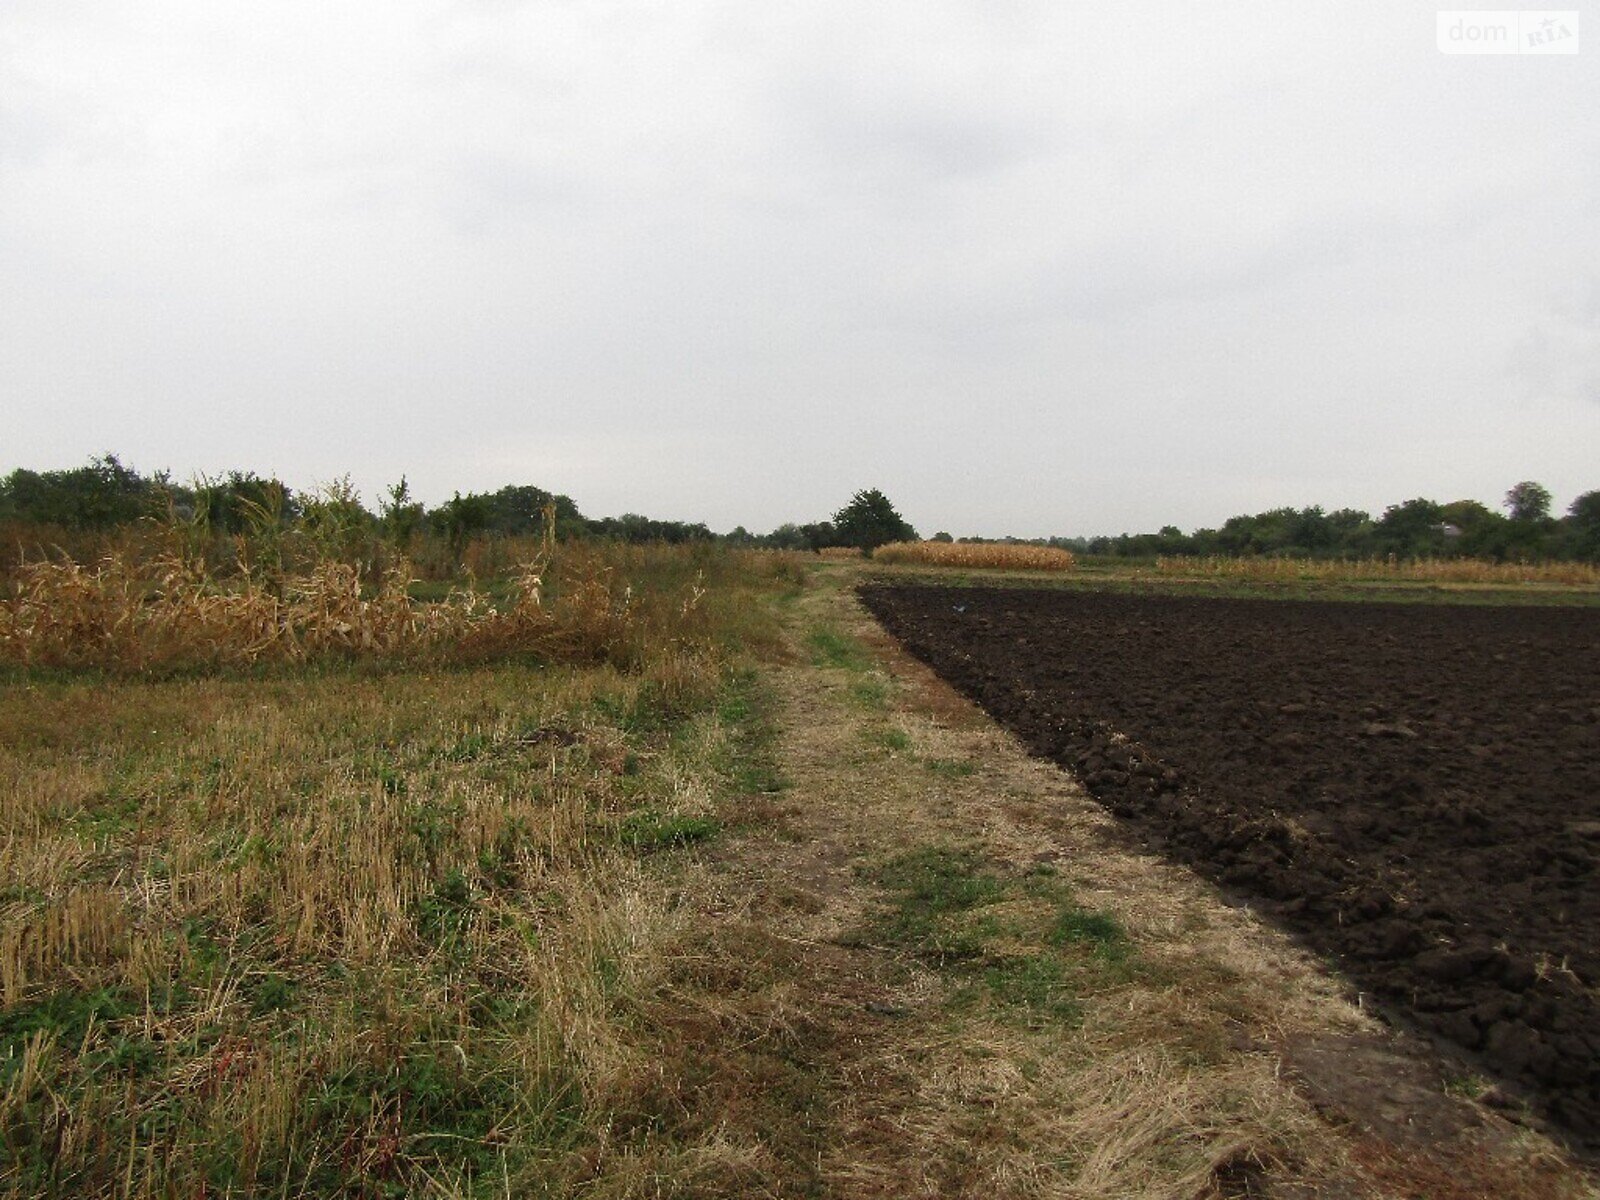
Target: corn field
point(128, 614)
point(1423, 570)
point(1017, 556)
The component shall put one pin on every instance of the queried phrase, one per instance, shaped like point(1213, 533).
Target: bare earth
point(1189, 1052)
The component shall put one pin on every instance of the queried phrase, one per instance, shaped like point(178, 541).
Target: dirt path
point(977, 989)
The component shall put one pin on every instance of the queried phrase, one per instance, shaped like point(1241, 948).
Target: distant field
point(1016, 556)
point(1358, 582)
point(1423, 570)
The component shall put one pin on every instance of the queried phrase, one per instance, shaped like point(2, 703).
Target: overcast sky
point(1030, 268)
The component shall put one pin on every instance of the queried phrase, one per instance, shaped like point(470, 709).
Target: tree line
point(1417, 528)
point(105, 493)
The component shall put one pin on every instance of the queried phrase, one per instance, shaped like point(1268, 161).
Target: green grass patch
point(951, 768)
point(338, 999)
point(888, 737)
point(933, 892)
point(1036, 958)
point(446, 913)
point(1098, 932)
point(105, 817)
point(749, 760)
point(1038, 983)
point(67, 1015)
point(650, 829)
point(870, 691)
point(830, 648)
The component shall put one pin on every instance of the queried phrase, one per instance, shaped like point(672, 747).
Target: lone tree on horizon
point(869, 521)
point(1528, 501)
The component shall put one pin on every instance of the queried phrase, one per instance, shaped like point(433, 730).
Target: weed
point(66, 1015)
point(649, 829)
point(940, 902)
point(870, 692)
point(432, 824)
point(749, 760)
point(1469, 1086)
point(888, 737)
point(447, 912)
point(272, 992)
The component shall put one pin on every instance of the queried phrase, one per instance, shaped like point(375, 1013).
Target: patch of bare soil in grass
point(975, 987)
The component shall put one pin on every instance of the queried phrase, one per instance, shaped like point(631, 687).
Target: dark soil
point(1414, 790)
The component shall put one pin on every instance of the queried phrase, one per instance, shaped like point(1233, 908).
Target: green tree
point(1583, 525)
point(870, 520)
point(819, 535)
point(1528, 501)
point(98, 496)
point(1412, 528)
point(400, 514)
point(1529, 530)
point(1481, 532)
point(1310, 531)
point(518, 509)
point(1352, 530)
point(787, 536)
point(459, 519)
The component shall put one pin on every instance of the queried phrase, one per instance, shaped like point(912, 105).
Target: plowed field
point(1413, 789)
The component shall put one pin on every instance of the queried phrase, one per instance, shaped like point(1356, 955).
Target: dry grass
point(372, 931)
point(1423, 570)
point(1013, 556)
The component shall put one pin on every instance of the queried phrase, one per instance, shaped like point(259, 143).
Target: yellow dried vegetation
point(126, 613)
point(1420, 570)
point(1012, 556)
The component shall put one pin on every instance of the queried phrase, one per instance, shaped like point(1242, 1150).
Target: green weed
point(66, 1015)
point(897, 741)
point(447, 912)
point(650, 829)
point(870, 691)
point(951, 768)
point(749, 762)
